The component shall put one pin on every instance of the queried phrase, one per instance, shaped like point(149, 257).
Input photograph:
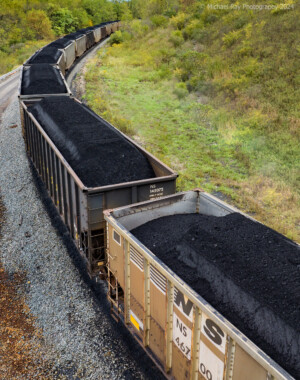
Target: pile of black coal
point(42, 79)
point(98, 153)
point(247, 271)
point(48, 54)
point(61, 43)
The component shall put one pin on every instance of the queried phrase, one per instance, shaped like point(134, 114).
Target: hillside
point(27, 25)
point(213, 92)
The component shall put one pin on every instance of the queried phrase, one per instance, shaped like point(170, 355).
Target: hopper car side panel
point(97, 34)
point(80, 46)
point(185, 335)
point(70, 54)
point(114, 27)
point(82, 208)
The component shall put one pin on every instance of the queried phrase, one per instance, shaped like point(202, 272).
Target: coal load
point(97, 153)
point(48, 54)
point(61, 43)
point(247, 271)
point(42, 79)
point(73, 36)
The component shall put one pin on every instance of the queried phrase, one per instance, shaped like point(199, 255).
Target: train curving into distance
point(209, 292)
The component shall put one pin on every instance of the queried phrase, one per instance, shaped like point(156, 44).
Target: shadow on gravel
point(101, 305)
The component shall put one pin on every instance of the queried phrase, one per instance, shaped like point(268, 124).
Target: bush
point(159, 20)
point(230, 38)
point(193, 30)
point(181, 90)
point(116, 38)
point(138, 28)
point(179, 20)
point(176, 38)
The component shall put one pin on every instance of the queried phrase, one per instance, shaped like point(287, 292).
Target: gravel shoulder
point(79, 340)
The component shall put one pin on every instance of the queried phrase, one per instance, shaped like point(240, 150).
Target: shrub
point(230, 38)
point(193, 30)
point(116, 38)
point(176, 38)
point(179, 20)
point(159, 20)
point(181, 90)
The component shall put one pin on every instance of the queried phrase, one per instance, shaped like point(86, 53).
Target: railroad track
point(66, 142)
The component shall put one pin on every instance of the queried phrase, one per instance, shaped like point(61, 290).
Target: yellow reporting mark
point(134, 322)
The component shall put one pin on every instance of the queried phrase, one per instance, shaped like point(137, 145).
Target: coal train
point(206, 290)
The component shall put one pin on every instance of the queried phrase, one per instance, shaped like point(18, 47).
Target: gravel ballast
point(98, 153)
point(248, 272)
point(79, 338)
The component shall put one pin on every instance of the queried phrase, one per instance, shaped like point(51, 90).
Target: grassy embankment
point(215, 95)
point(18, 54)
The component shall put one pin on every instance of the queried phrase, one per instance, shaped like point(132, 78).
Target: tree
point(39, 24)
point(63, 21)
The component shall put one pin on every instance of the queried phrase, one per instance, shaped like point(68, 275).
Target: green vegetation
point(215, 94)
point(27, 25)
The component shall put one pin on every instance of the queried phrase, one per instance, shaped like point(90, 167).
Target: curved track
point(79, 339)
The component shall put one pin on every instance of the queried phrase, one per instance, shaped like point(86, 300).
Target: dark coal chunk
point(247, 271)
point(73, 36)
point(42, 79)
point(48, 54)
point(98, 153)
point(61, 43)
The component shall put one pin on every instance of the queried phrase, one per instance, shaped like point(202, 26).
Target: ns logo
point(209, 327)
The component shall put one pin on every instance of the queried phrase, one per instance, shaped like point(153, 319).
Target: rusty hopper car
point(72, 182)
point(186, 336)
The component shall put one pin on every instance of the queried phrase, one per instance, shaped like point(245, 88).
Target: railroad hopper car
point(87, 166)
point(68, 47)
point(114, 27)
point(80, 42)
point(98, 31)
point(90, 37)
point(197, 304)
point(50, 55)
point(40, 80)
point(108, 28)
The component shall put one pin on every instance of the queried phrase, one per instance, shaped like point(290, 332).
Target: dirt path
point(20, 354)
point(20, 357)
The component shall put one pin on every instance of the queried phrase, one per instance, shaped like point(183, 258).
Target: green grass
point(167, 126)
point(209, 115)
